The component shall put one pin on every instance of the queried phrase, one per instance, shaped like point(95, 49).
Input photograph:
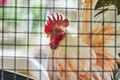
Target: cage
point(59, 39)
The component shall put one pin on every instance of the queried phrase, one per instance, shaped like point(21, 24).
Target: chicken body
point(78, 63)
point(69, 60)
point(84, 57)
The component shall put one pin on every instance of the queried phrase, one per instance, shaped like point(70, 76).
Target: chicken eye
point(57, 31)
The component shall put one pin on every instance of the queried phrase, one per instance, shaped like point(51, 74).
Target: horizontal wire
point(57, 58)
point(72, 33)
point(62, 70)
point(59, 46)
point(39, 7)
point(89, 21)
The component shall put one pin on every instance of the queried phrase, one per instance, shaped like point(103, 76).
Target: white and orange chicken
point(79, 58)
point(69, 61)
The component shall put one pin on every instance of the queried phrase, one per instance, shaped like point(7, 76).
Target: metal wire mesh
point(24, 47)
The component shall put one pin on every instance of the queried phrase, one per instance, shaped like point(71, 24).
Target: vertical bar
point(41, 7)
point(103, 2)
point(53, 50)
point(2, 73)
point(90, 22)
point(15, 38)
point(78, 40)
point(115, 2)
point(28, 36)
point(66, 44)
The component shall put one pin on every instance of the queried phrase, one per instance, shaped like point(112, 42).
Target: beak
point(49, 35)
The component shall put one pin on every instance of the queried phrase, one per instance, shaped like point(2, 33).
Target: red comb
point(52, 22)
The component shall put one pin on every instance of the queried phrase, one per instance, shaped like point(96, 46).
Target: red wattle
point(55, 41)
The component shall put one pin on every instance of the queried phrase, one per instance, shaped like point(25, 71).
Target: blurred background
point(22, 24)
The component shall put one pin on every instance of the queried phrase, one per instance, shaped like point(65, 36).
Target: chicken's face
point(55, 29)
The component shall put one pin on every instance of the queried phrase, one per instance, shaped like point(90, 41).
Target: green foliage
point(10, 14)
point(39, 15)
point(38, 11)
point(108, 2)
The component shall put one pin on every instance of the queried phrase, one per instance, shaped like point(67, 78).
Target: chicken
point(83, 57)
point(59, 36)
point(71, 58)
